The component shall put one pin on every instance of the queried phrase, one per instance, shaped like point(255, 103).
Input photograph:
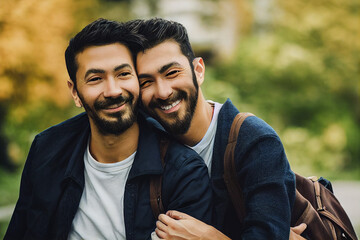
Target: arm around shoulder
point(186, 186)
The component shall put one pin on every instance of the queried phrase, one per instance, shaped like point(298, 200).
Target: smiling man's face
point(107, 87)
point(168, 86)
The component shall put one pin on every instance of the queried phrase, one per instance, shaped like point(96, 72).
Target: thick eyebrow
point(117, 68)
point(167, 66)
point(93, 70)
point(161, 70)
point(125, 65)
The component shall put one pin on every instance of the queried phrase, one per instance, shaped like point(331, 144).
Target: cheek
point(133, 87)
point(89, 95)
point(145, 96)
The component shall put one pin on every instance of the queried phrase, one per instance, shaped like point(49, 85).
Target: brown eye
point(124, 74)
point(173, 72)
point(94, 79)
point(145, 83)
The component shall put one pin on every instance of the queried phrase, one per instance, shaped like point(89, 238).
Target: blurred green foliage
point(302, 77)
point(316, 122)
point(3, 227)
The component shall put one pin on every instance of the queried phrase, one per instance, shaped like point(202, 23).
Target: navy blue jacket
point(264, 175)
point(53, 180)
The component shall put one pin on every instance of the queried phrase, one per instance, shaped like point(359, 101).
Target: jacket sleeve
point(18, 223)
point(268, 187)
point(186, 187)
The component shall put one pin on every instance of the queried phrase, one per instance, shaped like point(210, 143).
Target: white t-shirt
point(205, 147)
point(101, 211)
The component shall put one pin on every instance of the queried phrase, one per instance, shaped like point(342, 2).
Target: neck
point(113, 148)
point(199, 124)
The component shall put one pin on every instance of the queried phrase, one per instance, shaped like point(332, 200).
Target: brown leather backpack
point(314, 204)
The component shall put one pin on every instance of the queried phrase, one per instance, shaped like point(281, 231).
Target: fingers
point(295, 236)
point(154, 235)
point(161, 226)
point(160, 234)
point(164, 225)
point(167, 220)
point(299, 228)
point(177, 215)
point(296, 231)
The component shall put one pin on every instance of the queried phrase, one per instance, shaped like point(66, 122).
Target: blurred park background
point(293, 63)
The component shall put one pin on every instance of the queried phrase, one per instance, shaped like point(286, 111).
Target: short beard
point(120, 124)
point(179, 126)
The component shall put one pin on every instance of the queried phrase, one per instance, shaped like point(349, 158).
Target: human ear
point(74, 93)
point(199, 68)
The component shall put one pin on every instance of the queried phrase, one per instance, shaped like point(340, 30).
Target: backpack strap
point(321, 209)
point(155, 182)
point(230, 176)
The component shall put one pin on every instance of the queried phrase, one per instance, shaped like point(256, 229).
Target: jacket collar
point(75, 167)
point(226, 116)
point(147, 159)
point(153, 122)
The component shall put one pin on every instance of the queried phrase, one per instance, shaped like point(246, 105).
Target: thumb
point(299, 228)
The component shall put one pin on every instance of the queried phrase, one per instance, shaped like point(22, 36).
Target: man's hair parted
point(98, 33)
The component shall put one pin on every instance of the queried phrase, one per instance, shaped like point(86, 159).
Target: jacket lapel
point(72, 183)
point(148, 146)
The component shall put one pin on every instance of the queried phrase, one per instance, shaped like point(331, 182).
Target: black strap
point(155, 183)
point(230, 178)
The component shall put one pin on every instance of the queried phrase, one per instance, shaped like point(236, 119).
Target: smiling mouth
point(114, 108)
point(168, 107)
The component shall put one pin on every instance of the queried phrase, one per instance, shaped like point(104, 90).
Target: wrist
point(212, 233)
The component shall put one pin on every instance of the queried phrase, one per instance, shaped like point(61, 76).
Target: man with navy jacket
point(170, 77)
point(88, 177)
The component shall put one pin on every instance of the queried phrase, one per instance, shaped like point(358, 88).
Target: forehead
point(160, 55)
point(105, 56)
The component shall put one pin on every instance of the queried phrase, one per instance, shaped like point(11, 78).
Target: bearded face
point(169, 86)
point(177, 122)
point(107, 87)
point(113, 123)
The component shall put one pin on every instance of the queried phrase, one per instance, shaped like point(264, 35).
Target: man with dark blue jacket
point(170, 77)
point(88, 177)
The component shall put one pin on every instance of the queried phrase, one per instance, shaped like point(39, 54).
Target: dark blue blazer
point(53, 180)
point(264, 175)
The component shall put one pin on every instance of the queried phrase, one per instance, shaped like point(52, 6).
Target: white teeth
point(170, 106)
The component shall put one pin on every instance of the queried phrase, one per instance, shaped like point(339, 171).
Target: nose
point(163, 89)
point(112, 88)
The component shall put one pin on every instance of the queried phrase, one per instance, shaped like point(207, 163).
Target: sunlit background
point(293, 63)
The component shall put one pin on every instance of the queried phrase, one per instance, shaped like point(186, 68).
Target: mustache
point(157, 103)
point(113, 101)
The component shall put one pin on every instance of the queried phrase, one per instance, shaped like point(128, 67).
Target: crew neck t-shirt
point(101, 210)
point(205, 147)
